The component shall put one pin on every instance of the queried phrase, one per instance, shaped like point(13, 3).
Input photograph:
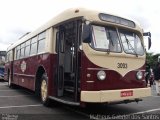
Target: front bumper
point(103, 96)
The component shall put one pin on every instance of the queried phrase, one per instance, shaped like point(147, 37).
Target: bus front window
point(131, 43)
point(105, 39)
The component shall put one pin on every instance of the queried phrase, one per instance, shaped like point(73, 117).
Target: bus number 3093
point(122, 65)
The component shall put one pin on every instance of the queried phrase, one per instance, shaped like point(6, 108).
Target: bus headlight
point(139, 75)
point(101, 75)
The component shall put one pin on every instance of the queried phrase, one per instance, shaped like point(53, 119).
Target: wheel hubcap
point(44, 90)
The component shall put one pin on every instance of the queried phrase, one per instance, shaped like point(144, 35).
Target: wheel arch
point(40, 71)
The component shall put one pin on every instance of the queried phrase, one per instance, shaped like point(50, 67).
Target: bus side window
point(8, 56)
point(41, 42)
point(33, 46)
point(22, 50)
point(17, 52)
point(27, 48)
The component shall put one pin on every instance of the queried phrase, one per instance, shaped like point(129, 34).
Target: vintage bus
point(81, 56)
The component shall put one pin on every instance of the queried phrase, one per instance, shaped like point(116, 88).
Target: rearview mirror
point(86, 34)
point(149, 43)
point(149, 39)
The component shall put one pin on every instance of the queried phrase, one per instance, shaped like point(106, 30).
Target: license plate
point(126, 93)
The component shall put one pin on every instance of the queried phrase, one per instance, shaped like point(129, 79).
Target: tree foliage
point(152, 59)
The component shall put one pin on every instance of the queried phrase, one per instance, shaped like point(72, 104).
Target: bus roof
point(91, 15)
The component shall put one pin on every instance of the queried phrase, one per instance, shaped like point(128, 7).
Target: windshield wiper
point(110, 39)
point(128, 42)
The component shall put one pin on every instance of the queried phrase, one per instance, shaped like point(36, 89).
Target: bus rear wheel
point(9, 81)
point(44, 90)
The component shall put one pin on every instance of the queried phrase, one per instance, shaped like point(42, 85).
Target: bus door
point(60, 68)
point(68, 60)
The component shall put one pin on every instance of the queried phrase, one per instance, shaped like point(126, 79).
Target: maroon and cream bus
point(81, 56)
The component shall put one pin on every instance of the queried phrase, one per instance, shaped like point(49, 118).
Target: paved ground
point(20, 104)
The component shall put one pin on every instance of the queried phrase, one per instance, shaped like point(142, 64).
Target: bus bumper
point(103, 96)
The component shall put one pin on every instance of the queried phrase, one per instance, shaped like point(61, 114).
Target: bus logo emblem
point(23, 66)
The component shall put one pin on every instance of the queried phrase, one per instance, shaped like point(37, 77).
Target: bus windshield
point(131, 43)
point(106, 39)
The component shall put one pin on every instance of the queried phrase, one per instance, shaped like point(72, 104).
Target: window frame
point(27, 44)
point(122, 31)
point(18, 50)
point(35, 38)
point(106, 50)
point(22, 47)
point(41, 37)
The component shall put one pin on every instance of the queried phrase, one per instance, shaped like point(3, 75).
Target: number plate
point(126, 93)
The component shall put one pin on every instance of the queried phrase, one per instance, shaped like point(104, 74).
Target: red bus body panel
point(113, 79)
point(27, 78)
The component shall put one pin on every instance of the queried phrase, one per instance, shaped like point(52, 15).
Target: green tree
point(152, 59)
point(149, 59)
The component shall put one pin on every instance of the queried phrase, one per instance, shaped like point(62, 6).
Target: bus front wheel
point(44, 90)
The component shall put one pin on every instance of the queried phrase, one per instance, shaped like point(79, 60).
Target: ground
point(21, 104)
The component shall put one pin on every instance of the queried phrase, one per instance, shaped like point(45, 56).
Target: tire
point(9, 81)
point(10, 84)
point(44, 90)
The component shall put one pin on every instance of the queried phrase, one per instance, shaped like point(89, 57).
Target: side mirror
point(149, 43)
point(86, 33)
point(149, 39)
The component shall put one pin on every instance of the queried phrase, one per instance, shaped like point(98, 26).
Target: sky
point(18, 17)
